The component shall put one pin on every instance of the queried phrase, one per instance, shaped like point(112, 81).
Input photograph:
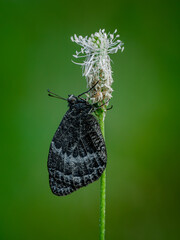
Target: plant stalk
point(102, 187)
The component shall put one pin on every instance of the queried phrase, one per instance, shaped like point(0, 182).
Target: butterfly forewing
point(77, 154)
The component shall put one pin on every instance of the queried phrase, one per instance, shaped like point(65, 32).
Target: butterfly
point(77, 154)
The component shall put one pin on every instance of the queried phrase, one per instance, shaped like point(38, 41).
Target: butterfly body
point(77, 154)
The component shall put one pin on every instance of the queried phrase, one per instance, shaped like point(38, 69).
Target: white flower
point(96, 65)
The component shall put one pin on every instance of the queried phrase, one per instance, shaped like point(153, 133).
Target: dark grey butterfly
point(77, 154)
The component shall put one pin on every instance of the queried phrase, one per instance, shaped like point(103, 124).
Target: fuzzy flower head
point(96, 65)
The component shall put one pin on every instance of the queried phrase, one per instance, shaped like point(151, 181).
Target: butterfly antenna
point(51, 94)
point(89, 89)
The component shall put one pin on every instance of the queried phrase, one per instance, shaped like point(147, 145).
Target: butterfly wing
point(77, 154)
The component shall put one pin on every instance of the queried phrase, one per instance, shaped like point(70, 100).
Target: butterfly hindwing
point(77, 154)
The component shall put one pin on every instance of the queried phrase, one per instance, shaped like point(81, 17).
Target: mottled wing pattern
point(77, 154)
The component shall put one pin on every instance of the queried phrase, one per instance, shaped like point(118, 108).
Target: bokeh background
point(142, 130)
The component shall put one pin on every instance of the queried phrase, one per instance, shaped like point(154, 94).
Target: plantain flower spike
point(96, 64)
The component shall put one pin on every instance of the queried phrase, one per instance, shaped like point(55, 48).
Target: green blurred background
point(142, 130)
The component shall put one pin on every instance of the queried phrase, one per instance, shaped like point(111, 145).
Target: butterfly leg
point(110, 107)
point(93, 109)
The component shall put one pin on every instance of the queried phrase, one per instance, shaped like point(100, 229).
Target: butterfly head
point(72, 99)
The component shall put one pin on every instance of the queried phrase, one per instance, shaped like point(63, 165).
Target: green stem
point(102, 188)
